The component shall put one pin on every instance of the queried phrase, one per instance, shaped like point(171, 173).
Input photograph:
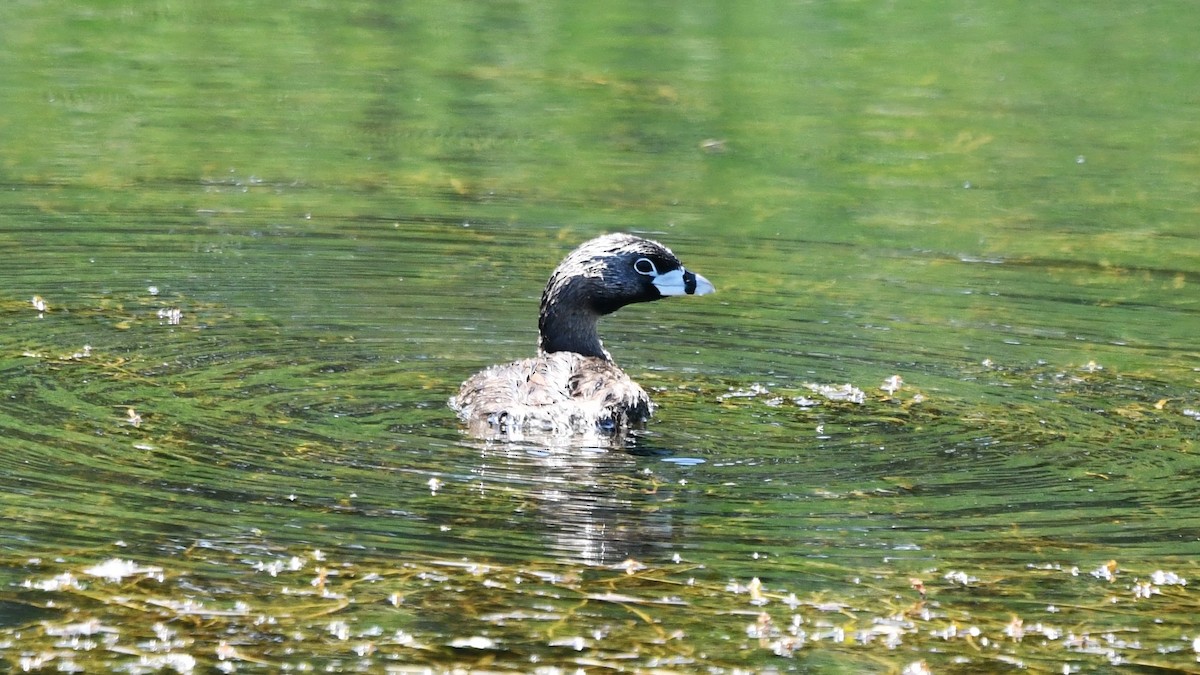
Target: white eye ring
point(645, 266)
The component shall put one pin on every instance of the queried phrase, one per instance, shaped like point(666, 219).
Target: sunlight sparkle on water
point(116, 569)
point(892, 384)
point(844, 392)
point(1167, 578)
point(173, 316)
point(56, 583)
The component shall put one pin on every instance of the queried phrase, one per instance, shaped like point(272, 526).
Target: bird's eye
point(645, 266)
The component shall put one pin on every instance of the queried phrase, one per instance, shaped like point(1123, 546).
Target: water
point(352, 208)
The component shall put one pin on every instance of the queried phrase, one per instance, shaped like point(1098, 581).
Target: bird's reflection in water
point(596, 505)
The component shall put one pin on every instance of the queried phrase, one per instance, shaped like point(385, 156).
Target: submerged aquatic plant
point(301, 609)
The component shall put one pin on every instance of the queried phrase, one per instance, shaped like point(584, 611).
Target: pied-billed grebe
point(572, 386)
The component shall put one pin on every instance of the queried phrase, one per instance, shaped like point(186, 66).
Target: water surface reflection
point(593, 506)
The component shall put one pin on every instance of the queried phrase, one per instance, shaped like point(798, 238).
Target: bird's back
point(558, 393)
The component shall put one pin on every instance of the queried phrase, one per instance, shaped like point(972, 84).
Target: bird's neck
point(570, 330)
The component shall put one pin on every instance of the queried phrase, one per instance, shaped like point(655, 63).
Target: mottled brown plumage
point(572, 386)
